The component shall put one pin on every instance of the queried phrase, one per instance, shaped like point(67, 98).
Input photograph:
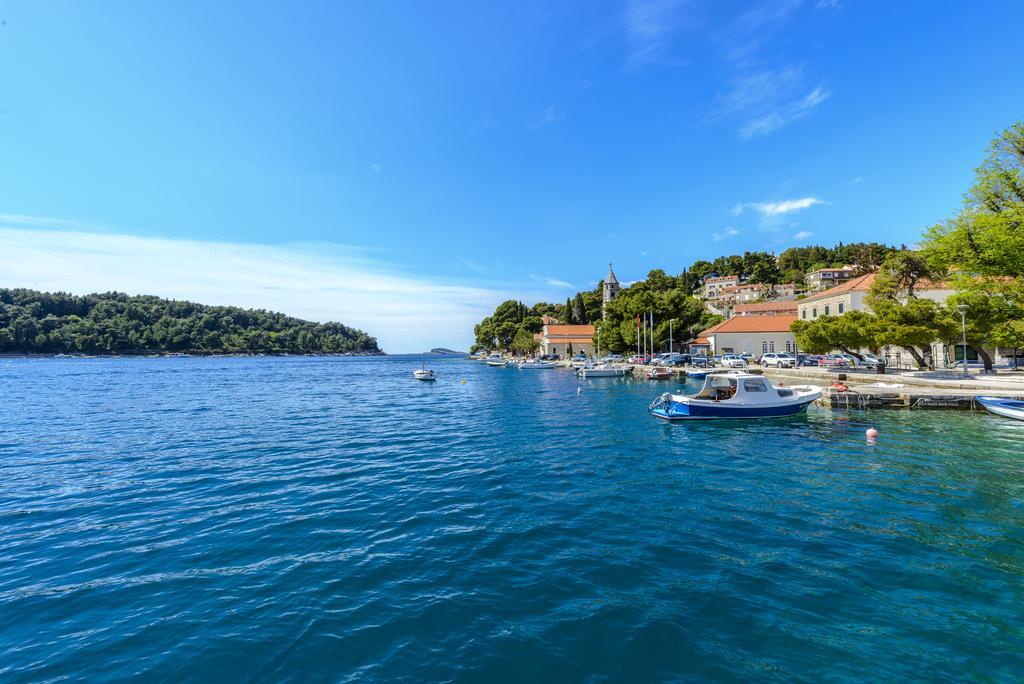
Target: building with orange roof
point(769, 308)
point(556, 339)
point(852, 296)
point(751, 335)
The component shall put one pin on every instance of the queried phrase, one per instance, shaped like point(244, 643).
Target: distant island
point(442, 350)
point(34, 322)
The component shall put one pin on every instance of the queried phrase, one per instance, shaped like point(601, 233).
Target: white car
point(733, 361)
point(613, 358)
point(778, 360)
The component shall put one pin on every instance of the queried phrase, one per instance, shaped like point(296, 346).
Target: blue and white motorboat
point(535, 364)
point(496, 360)
point(1003, 406)
point(699, 374)
point(736, 395)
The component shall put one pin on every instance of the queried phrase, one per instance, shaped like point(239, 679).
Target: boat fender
point(871, 434)
point(839, 387)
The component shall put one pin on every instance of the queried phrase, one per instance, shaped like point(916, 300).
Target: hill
point(116, 323)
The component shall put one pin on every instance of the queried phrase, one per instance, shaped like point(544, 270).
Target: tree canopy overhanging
point(117, 323)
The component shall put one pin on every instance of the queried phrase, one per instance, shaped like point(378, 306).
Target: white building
point(752, 335)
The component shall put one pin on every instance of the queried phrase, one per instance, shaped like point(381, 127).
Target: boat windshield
point(717, 388)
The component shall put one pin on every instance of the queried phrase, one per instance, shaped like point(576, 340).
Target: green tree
point(984, 244)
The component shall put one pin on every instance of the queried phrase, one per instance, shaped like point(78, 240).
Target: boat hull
point(717, 410)
point(1008, 408)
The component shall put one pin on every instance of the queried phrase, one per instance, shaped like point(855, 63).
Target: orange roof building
point(556, 339)
point(752, 335)
point(765, 309)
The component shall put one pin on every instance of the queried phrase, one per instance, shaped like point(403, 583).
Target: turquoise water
point(326, 518)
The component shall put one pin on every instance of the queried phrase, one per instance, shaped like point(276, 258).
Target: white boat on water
point(535, 364)
point(1003, 406)
point(496, 360)
point(603, 370)
point(424, 374)
point(736, 395)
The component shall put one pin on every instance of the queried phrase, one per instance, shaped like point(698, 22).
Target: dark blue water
point(333, 519)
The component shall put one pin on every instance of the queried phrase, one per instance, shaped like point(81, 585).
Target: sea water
point(302, 519)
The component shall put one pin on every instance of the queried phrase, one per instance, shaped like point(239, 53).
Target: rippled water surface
point(327, 518)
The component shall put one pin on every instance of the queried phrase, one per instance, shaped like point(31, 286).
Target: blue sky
point(403, 167)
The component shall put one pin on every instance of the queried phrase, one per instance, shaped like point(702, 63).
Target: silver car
point(778, 360)
point(733, 361)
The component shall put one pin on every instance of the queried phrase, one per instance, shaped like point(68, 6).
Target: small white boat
point(603, 370)
point(736, 395)
point(535, 364)
point(1003, 406)
point(659, 373)
point(424, 374)
point(496, 360)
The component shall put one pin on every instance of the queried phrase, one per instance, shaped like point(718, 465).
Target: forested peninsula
point(34, 322)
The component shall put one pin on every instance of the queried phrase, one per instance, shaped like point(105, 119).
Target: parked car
point(871, 360)
point(733, 361)
point(748, 357)
point(715, 360)
point(580, 357)
point(613, 358)
point(807, 359)
point(637, 359)
point(699, 360)
point(658, 359)
point(833, 361)
point(778, 360)
point(550, 357)
point(674, 360)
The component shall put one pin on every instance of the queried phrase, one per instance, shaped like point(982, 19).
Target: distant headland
point(115, 323)
point(448, 352)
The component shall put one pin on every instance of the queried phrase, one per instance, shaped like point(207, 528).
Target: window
point(554, 350)
point(789, 346)
point(840, 307)
point(814, 312)
point(755, 386)
point(771, 346)
point(803, 314)
point(826, 309)
point(764, 347)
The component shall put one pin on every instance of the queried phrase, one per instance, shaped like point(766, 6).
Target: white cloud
point(550, 117)
point(777, 208)
point(858, 179)
point(554, 282)
point(802, 235)
point(649, 26)
point(728, 232)
point(317, 282)
point(784, 113)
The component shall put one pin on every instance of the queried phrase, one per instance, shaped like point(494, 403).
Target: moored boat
point(535, 364)
point(496, 360)
point(1003, 406)
point(603, 370)
point(739, 395)
point(659, 373)
point(424, 374)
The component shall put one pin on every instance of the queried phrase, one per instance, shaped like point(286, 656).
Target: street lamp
point(963, 326)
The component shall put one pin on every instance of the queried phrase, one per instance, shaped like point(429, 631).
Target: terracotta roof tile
point(744, 324)
point(766, 306)
point(576, 330)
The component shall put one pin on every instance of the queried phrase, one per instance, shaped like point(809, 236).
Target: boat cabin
point(746, 388)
